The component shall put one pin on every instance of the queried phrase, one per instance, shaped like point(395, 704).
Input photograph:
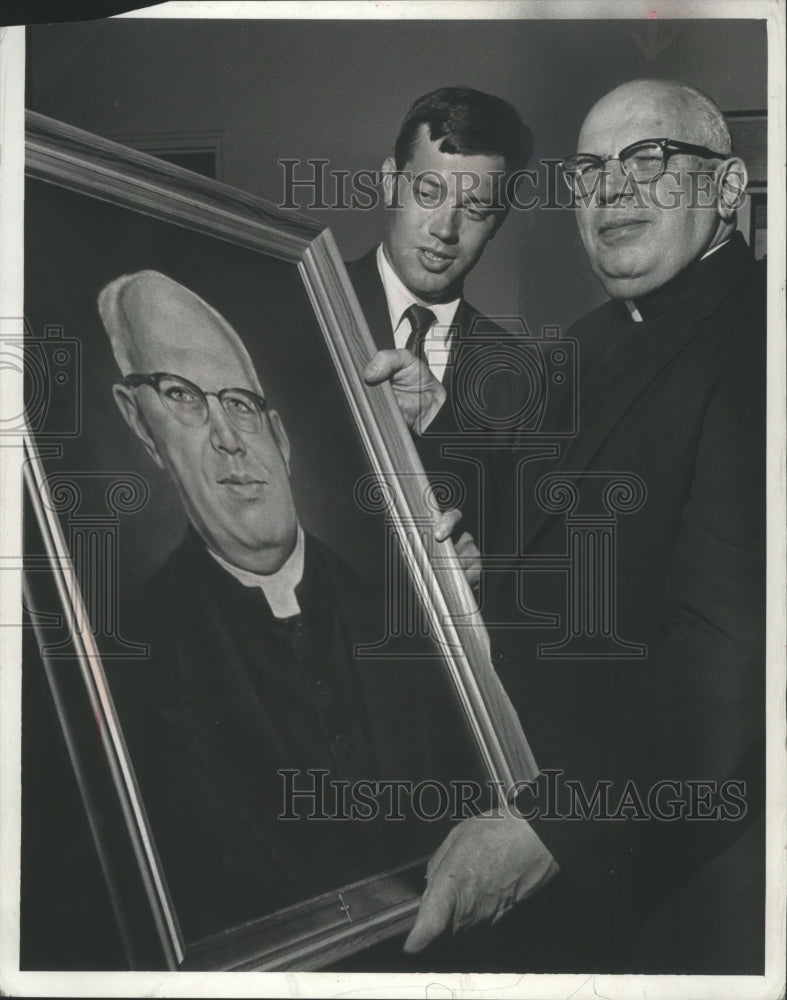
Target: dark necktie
point(420, 319)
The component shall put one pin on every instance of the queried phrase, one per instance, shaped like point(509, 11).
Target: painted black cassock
point(231, 695)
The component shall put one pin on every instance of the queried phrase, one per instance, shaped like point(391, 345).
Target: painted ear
point(127, 405)
point(280, 435)
point(731, 178)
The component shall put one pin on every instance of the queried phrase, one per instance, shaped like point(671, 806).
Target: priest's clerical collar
point(683, 287)
point(278, 587)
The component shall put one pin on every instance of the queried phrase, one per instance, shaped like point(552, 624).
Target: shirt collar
point(399, 297)
point(278, 587)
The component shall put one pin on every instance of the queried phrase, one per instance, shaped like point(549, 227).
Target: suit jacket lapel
point(368, 285)
point(640, 351)
point(637, 356)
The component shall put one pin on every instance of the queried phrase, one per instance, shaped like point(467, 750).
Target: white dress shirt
point(278, 587)
point(437, 344)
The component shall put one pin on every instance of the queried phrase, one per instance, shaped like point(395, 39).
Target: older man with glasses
point(649, 736)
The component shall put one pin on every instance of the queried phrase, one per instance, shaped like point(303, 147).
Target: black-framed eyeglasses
point(642, 161)
point(188, 404)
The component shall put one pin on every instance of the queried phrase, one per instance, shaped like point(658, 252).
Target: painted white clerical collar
point(399, 297)
point(636, 315)
point(278, 587)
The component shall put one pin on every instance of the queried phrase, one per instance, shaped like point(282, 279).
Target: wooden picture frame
point(64, 163)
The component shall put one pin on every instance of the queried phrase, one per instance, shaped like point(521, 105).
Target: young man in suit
point(661, 858)
point(445, 191)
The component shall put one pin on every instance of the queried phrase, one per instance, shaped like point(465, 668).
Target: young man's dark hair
point(469, 122)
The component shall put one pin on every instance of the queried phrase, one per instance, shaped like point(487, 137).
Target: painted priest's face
point(232, 473)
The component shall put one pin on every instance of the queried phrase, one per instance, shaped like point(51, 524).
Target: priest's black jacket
point(230, 696)
point(674, 407)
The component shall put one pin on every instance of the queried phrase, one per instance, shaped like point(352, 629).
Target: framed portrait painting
point(268, 676)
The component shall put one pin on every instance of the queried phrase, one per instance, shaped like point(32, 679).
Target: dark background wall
point(338, 90)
